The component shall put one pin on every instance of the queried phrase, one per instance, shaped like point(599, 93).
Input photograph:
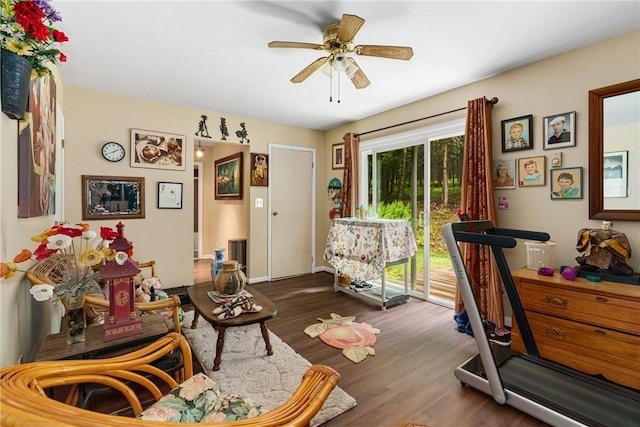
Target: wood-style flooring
point(411, 376)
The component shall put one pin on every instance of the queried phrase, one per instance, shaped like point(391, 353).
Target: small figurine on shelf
point(242, 134)
point(335, 194)
point(202, 127)
point(223, 129)
point(604, 249)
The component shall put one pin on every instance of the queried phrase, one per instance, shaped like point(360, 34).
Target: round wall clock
point(113, 151)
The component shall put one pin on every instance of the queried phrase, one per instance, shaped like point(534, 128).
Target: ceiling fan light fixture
point(340, 62)
point(350, 70)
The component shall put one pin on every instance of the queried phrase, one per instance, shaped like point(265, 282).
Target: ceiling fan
point(338, 42)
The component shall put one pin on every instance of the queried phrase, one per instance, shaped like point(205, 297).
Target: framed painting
point(566, 183)
point(228, 176)
point(337, 156)
point(559, 131)
point(157, 150)
point(531, 171)
point(504, 172)
point(614, 174)
point(37, 140)
point(112, 197)
point(517, 134)
point(259, 170)
point(169, 195)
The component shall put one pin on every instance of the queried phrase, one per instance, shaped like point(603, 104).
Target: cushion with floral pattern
point(200, 399)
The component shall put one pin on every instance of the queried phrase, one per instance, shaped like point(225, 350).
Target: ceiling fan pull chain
point(330, 82)
point(339, 73)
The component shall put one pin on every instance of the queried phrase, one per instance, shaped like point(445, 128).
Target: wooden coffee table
point(204, 306)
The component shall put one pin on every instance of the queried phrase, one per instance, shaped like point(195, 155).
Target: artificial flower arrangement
point(81, 257)
point(26, 29)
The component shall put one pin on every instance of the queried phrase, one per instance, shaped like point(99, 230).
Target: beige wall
point(552, 86)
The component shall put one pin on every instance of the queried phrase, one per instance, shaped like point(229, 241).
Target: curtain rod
point(491, 102)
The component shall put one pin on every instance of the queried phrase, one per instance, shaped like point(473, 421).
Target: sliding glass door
point(409, 176)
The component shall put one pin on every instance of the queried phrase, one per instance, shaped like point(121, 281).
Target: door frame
point(271, 146)
point(200, 167)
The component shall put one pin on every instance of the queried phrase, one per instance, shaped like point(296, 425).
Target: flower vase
point(76, 319)
point(230, 281)
point(16, 73)
point(216, 265)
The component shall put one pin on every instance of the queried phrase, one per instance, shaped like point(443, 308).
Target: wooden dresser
point(592, 327)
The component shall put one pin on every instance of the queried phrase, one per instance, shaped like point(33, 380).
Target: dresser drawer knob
point(602, 299)
point(557, 302)
point(554, 332)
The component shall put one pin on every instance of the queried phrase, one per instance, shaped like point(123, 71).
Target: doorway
point(197, 209)
point(292, 206)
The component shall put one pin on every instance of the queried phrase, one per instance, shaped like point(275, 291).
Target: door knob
point(274, 213)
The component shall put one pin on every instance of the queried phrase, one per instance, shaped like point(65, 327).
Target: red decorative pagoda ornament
point(118, 275)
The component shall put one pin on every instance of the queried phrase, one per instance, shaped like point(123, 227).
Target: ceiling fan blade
point(296, 45)
point(359, 80)
point(309, 69)
point(349, 27)
point(393, 52)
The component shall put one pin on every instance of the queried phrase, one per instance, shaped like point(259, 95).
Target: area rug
point(247, 370)
point(356, 340)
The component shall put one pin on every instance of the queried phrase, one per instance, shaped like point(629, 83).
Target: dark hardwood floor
point(411, 376)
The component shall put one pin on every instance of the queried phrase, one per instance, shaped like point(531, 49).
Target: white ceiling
point(213, 55)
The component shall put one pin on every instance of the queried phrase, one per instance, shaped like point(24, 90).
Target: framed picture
point(157, 150)
point(517, 134)
point(337, 157)
point(259, 170)
point(228, 172)
point(559, 131)
point(531, 171)
point(169, 195)
point(566, 183)
point(112, 197)
point(504, 172)
point(614, 174)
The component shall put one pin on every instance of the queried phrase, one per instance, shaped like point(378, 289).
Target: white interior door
point(291, 207)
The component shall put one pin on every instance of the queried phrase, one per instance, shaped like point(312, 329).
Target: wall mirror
point(614, 152)
point(111, 197)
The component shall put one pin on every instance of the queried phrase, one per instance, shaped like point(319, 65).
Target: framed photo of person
point(566, 183)
point(559, 131)
point(531, 171)
point(504, 172)
point(517, 134)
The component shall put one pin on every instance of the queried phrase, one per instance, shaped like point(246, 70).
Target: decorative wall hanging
point(337, 156)
point(560, 131)
point(531, 171)
point(202, 127)
point(517, 134)
point(37, 151)
point(16, 72)
point(259, 170)
point(223, 129)
point(242, 134)
point(111, 197)
point(504, 172)
point(157, 150)
point(228, 183)
point(169, 195)
point(566, 183)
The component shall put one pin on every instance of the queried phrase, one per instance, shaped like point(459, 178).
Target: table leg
point(219, 345)
point(265, 335)
point(194, 322)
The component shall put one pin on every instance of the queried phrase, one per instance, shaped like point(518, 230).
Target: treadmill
point(548, 391)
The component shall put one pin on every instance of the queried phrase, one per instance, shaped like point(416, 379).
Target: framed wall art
point(169, 195)
point(337, 156)
point(531, 171)
point(559, 131)
point(614, 174)
point(112, 197)
point(566, 183)
point(517, 134)
point(504, 172)
point(228, 176)
point(157, 150)
point(259, 170)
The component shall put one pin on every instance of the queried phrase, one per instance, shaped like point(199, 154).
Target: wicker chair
point(25, 390)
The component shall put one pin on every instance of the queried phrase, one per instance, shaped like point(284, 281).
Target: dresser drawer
point(587, 348)
point(593, 308)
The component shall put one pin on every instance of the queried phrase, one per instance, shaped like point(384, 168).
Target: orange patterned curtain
point(351, 173)
point(478, 202)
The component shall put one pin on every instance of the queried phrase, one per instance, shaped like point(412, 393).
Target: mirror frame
point(596, 152)
point(91, 183)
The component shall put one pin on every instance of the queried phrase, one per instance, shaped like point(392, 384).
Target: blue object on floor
point(462, 319)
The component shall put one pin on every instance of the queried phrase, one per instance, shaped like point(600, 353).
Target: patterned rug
point(356, 340)
point(247, 370)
